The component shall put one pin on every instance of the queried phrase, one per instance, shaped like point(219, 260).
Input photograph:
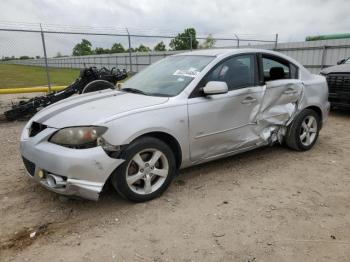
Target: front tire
point(147, 172)
point(303, 132)
point(97, 85)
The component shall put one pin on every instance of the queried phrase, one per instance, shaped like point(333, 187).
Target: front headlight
point(78, 137)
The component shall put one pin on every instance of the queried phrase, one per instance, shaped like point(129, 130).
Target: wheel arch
point(318, 111)
point(168, 139)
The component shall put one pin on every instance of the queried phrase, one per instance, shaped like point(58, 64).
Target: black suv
point(338, 79)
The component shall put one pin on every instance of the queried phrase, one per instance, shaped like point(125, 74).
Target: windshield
point(347, 61)
point(168, 77)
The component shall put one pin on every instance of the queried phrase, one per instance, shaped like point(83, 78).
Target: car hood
point(94, 108)
point(344, 68)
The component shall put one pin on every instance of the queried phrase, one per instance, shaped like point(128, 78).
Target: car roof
point(305, 74)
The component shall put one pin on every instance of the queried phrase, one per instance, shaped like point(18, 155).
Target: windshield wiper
point(134, 90)
point(138, 91)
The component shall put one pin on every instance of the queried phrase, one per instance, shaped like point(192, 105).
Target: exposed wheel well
point(171, 142)
point(318, 111)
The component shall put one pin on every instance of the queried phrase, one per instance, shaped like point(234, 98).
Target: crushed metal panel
point(278, 108)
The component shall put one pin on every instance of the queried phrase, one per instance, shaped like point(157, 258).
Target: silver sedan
point(181, 111)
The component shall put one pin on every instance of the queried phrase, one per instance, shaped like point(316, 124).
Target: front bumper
point(84, 171)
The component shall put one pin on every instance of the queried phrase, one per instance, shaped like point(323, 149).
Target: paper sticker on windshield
point(189, 73)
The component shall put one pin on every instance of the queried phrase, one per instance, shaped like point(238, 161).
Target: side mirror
point(341, 62)
point(215, 88)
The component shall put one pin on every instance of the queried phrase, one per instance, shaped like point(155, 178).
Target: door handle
point(248, 100)
point(290, 91)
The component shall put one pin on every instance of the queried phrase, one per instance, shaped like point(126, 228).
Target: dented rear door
point(280, 101)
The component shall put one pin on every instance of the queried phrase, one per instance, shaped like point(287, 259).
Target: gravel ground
point(271, 204)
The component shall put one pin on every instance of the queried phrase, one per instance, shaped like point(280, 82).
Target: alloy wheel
point(308, 130)
point(147, 171)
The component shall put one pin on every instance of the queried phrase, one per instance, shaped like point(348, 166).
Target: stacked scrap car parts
point(90, 80)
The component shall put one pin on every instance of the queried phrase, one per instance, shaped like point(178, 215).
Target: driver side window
point(238, 72)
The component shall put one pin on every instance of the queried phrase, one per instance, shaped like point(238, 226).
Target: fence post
point(137, 62)
point(276, 41)
point(237, 40)
point(45, 56)
point(323, 59)
point(191, 42)
point(129, 41)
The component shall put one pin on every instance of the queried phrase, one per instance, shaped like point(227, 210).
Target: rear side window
point(238, 72)
point(275, 68)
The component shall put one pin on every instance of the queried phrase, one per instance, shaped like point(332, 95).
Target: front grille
point(36, 128)
point(29, 166)
point(338, 83)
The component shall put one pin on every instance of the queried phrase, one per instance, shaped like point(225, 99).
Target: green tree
point(25, 57)
point(83, 48)
point(183, 40)
point(6, 58)
point(209, 42)
point(100, 50)
point(160, 47)
point(142, 48)
point(117, 48)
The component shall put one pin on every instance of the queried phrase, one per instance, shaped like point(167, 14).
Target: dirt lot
point(271, 204)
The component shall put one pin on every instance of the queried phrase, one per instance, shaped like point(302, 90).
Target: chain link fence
point(58, 46)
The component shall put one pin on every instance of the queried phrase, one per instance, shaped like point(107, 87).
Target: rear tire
point(303, 131)
point(147, 172)
point(97, 85)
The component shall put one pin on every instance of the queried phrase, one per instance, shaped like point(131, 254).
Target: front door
point(221, 124)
